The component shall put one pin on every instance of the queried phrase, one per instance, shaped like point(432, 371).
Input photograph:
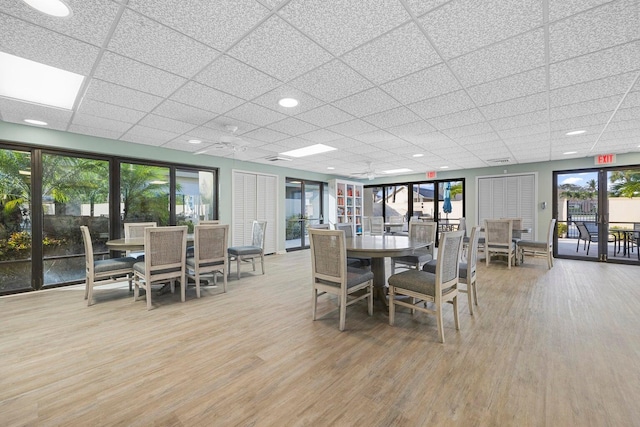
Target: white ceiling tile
point(220, 124)
point(332, 81)
point(270, 100)
point(100, 133)
point(47, 47)
point(110, 93)
point(341, 25)
point(325, 116)
point(473, 138)
point(457, 119)
point(594, 89)
point(418, 7)
point(183, 112)
point(394, 145)
point(321, 136)
point(368, 102)
point(469, 131)
point(90, 22)
point(628, 114)
point(353, 127)
point(217, 24)
point(136, 75)
point(116, 112)
point(427, 83)
point(147, 41)
point(617, 60)
point(101, 123)
point(266, 135)
point(465, 25)
point(390, 118)
point(165, 123)
point(279, 50)
point(632, 99)
point(534, 117)
point(255, 114)
point(292, 126)
point(411, 129)
point(205, 98)
point(612, 24)
point(149, 136)
point(524, 131)
point(225, 73)
point(513, 56)
point(585, 108)
point(573, 123)
point(559, 9)
point(442, 105)
point(516, 86)
point(375, 136)
point(516, 106)
point(396, 54)
point(14, 111)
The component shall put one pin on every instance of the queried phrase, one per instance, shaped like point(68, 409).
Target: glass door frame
point(303, 220)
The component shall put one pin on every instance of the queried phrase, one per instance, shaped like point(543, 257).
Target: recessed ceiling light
point(288, 102)
point(32, 81)
point(308, 151)
point(36, 122)
point(57, 8)
point(397, 171)
point(194, 141)
point(330, 168)
point(418, 155)
point(444, 167)
point(575, 132)
point(570, 152)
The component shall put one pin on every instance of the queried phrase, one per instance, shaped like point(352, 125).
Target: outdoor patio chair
point(588, 231)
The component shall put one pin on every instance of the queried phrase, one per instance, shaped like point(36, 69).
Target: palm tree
point(625, 183)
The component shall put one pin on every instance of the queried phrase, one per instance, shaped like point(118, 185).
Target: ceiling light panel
point(31, 81)
point(309, 151)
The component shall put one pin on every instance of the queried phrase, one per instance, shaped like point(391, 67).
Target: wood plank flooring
point(545, 347)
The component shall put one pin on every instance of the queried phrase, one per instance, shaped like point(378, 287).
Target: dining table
point(132, 243)
point(378, 248)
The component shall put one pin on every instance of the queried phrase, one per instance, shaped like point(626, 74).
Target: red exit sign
point(605, 159)
point(431, 175)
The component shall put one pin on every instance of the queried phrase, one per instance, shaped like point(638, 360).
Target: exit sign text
point(605, 159)
point(431, 175)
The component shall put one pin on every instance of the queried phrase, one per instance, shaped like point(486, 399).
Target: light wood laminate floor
point(545, 347)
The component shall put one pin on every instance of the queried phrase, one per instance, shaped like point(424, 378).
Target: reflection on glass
point(15, 220)
point(144, 193)
point(423, 194)
point(194, 197)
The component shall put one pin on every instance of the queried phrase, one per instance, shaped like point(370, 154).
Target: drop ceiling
point(463, 82)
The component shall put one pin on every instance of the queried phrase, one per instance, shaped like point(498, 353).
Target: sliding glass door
point(304, 207)
point(598, 214)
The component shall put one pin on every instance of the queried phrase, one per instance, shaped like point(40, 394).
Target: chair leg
point(262, 262)
point(238, 267)
point(392, 305)
point(439, 321)
point(370, 290)
point(148, 292)
point(198, 282)
point(224, 280)
point(470, 298)
point(88, 291)
point(314, 303)
point(456, 314)
point(343, 311)
point(475, 292)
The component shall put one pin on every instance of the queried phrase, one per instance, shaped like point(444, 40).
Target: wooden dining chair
point(104, 271)
point(424, 232)
point(499, 240)
point(209, 255)
point(540, 248)
point(254, 251)
point(377, 225)
point(468, 269)
point(330, 274)
point(347, 227)
point(422, 287)
point(165, 253)
point(136, 229)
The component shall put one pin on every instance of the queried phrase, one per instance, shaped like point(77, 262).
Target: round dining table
point(378, 248)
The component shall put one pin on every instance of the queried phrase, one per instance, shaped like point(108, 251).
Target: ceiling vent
point(499, 161)
point(277, 158)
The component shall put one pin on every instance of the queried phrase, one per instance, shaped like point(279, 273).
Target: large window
point(15, 220)
point(46, 196)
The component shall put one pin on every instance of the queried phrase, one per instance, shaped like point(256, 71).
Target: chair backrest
point(165, 249)
point(366, 225)
point(347, 227)
point(552, 228)
point(328, 255)
point(448, 261)
point(326, 226)
point(209, 221)
point(210, 243)
point(257, 233)
point(462, 225)
point(136, 229)
point(582, 230)
point(88, 248)
point(517, 224)
point(498, 232)
point(591, 227)
point(425, 232)
point(472, 257)
point(396, 219)
point(377, 225)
